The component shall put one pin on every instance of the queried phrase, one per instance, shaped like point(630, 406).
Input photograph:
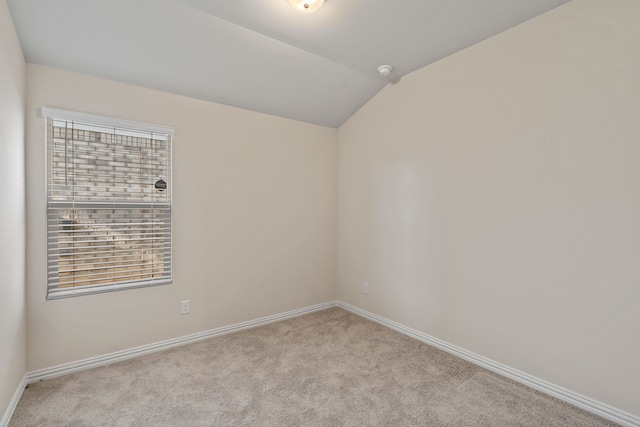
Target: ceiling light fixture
point(306, 5)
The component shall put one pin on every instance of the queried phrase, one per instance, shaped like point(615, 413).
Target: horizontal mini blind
point(108, 204)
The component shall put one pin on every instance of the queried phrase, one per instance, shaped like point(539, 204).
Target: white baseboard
point(4, 422)
point(583, 402)
point(118, 356)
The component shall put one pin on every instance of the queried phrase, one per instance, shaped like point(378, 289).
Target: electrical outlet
point(365, 288)
point(185, 307)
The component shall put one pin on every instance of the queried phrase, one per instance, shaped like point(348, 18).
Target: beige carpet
point(329, 368)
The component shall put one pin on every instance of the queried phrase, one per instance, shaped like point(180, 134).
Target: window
point(108, 204)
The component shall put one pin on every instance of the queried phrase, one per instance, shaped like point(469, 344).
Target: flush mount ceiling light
point(306, 5)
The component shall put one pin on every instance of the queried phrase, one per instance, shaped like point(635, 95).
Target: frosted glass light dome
point(306, 5)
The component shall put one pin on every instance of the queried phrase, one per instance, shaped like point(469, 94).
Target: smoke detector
point(385, 70)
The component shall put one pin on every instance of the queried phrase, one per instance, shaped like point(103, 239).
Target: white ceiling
point(261, 55)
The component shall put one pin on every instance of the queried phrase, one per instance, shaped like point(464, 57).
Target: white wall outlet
point(365, 288)
point(185, 307)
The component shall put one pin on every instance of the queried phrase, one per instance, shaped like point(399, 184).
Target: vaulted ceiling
point(260, 55)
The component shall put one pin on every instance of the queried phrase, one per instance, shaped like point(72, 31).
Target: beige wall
point(492, 200)
point(254, 221)
point(12, 211)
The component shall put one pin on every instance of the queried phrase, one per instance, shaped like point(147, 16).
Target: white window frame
point(56, 225)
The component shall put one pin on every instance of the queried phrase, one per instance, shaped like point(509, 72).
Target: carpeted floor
point(330, 368)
